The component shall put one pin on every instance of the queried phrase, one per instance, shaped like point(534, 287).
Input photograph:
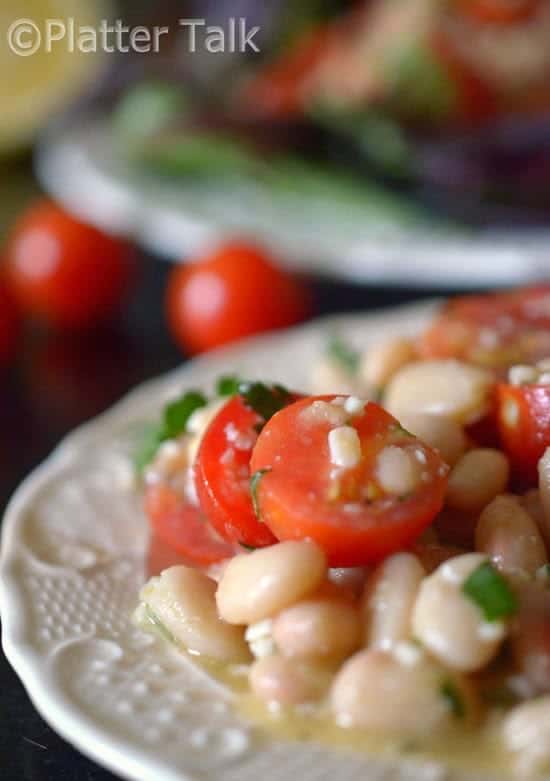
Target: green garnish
point(174, 420)
point(454, 700)
point(254, 482)
point(491, 593)
point(247, 547)
point(342, 353)
point(266, 400)
point(228, 385)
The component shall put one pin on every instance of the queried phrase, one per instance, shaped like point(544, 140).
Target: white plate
point(327, 234)
point(73, 559)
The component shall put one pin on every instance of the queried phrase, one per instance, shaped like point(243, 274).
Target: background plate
point(73, 558)
point(374, 239)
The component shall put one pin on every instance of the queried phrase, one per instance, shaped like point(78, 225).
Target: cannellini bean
point(375, 691)
point(449, 624)
point(329, 376)
point(260, 584)
point(544, 494)
point(398, 470)
point(182, 600)
point(509, 536)
point(532, 502)
point(389, 598)
point(530, 637)
point(526, 733)
point(381, 361)
point(479, 476)
point(442, 433)
point(449, 388)
point(318, 628)
point(288, 681)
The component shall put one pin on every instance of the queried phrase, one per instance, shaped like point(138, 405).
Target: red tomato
point(524, 422)
point(64, 271)
point(9, 326)
point(222, 475)
point(346, 511)
point(233, 292)
point(499, 11)
point(183, 528)
point(493, 330)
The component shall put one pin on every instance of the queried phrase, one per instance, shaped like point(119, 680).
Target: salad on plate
point(368, 566)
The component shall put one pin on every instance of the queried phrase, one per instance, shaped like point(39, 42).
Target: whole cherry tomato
point(63, 271)
point(233, 292)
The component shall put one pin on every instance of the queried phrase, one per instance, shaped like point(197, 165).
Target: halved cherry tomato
point(222, 475)
point(234, 292)
point(346, 511)
point(492, 330)
point(64, 271)
point(183, 527)
point(524, 422)
point(499, 11)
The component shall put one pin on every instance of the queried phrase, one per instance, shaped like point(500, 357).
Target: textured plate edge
point(57, 710)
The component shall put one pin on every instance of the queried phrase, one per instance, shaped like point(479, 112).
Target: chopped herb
point(343, 354)
point(177, 413)
point(266, 400)
point(159, 626)
point(174, 420)
point(228, 385)
point(491, 593)
point(254, 482)
point(454, 700)
point(399, 429)
point(247, 547)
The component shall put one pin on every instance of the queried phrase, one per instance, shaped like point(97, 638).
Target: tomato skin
point(504, 12)
point(223, 486)
point(181, 526)
point(63, 271)
point(234, 292)
point(10, 326)
point(294, 496)
point(524, 421)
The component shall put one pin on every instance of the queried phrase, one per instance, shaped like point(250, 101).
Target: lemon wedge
point(35, 81)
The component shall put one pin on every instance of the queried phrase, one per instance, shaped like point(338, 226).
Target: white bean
point(449, 624)
point(510, 537)
point(449, 388)
point(442, 433)
point(479, 476)
point(380, 362)
point(544, 494)
point(329, 376)
point(526, 733)
point(182, 602)
point(374, 691)
point(318, 628)
point(260, 584)
point(288, 681)
point(389, 598)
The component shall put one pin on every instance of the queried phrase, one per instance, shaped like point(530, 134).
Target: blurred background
point(168, 186)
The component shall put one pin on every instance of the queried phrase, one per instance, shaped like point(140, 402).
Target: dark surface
point(58, 383)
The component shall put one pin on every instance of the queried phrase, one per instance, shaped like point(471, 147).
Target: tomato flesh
point(300, 496)
point(183, 528)
point(222, 475)
point(499, 11)
point(524, 422)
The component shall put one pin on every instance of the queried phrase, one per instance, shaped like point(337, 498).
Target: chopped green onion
point(228, 385)
point(491, 593)
point(263, 399)
point(247, 547)
point(454, 700)
point(254, 482)
point(343, 354)
point(147, 446)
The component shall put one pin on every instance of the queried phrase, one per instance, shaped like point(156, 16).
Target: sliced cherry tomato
point(346, 511)
point(493, 330)
point(183, 528)
point(222, 475)
point(524, 421)
point(499, 11)
point(64, 271)
point(234, 292)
